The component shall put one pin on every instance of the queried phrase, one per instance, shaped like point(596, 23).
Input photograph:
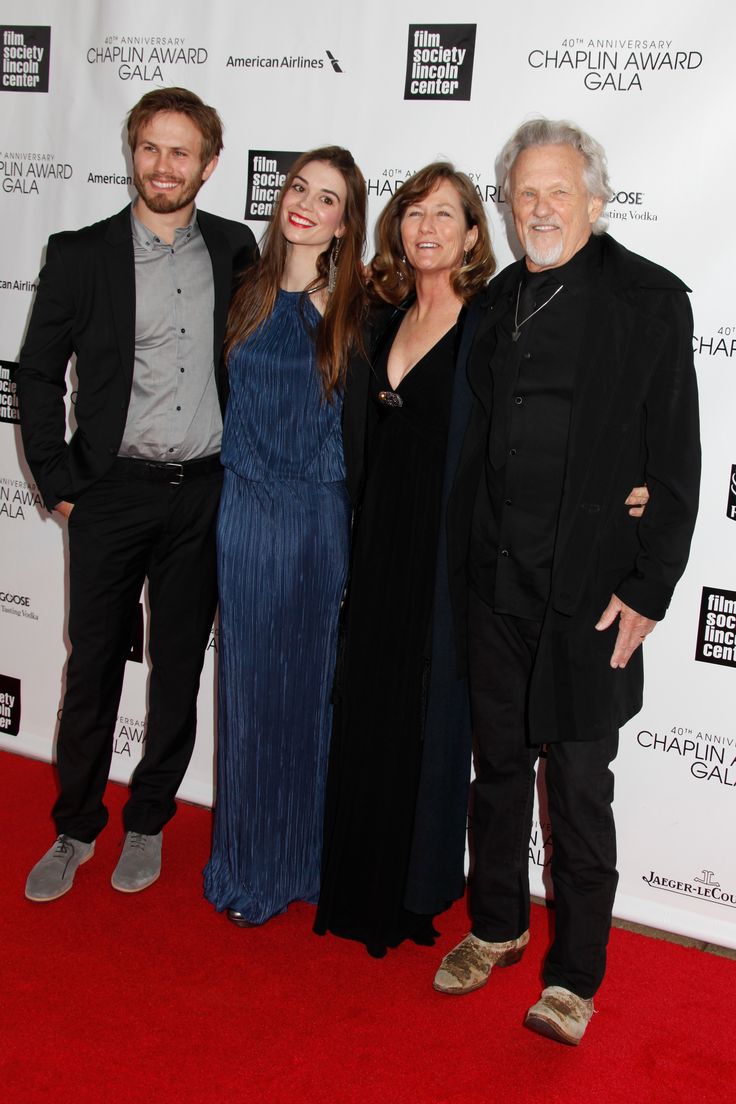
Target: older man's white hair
point(561, 132)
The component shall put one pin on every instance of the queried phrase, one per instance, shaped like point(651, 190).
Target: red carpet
point(154, 997)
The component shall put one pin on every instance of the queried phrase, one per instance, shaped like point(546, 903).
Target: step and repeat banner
point(653, 82)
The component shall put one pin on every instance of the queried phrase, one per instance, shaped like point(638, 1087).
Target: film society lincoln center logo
point(8, 397)
point(24, 59)
point(717, 627)
point(9, 705)
point(267, 171)
point(439, 61)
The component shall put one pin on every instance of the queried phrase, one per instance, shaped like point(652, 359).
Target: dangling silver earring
point(466, 258)
point(399, 273)
point(332, 274)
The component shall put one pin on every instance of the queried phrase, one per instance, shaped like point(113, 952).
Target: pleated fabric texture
point(283, 532)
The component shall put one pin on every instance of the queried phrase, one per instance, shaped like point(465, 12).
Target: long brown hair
point(392, 275)
point(340, 329)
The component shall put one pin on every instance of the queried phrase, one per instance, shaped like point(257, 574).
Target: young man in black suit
point(141, 299)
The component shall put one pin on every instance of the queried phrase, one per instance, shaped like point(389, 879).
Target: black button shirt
point(532, 381)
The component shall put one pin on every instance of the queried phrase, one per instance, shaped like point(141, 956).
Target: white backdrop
point(653, 81)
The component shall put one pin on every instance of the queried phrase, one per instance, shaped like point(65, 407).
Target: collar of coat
point(620, 272)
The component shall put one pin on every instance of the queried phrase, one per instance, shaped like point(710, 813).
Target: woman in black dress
point(400, 757)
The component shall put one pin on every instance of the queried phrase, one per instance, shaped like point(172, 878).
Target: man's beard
point(544, 257)
point(165, 203)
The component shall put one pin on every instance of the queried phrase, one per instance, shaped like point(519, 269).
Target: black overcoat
point(634, 419)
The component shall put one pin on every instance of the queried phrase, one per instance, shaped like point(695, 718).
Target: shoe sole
point(134, 889)
point(508, 958)
point(56, 896)
point(456, 991)
point(239, 922)
point(542, 1026)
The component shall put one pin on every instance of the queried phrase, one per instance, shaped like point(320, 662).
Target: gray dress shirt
point(174, 410)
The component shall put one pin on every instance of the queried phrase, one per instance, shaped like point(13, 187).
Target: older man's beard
point(165, 203)
point(541, 256)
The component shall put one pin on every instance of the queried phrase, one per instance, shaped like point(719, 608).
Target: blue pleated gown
point(282, 540)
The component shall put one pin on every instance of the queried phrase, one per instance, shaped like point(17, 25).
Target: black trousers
point(579, 796)
point(123, 530)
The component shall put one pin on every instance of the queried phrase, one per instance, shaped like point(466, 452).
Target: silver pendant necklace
point(517, 323)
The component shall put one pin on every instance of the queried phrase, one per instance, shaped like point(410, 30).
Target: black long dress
point(380, 694)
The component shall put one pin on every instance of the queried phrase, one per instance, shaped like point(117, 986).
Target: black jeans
point(579, 796)
point(122, 531)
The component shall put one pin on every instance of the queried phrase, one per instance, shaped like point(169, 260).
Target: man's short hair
point(184, 102)
point(561, 132)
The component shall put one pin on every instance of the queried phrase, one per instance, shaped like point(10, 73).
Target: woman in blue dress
point(283, 533)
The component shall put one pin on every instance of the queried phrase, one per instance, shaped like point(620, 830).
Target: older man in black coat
point(584, 380)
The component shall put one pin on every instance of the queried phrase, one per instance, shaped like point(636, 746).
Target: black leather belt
point(163, 471)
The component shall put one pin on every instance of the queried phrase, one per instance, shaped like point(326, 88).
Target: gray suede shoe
point(468, 966)
point(560, 1015)
point(139, 864)
point(53, 875)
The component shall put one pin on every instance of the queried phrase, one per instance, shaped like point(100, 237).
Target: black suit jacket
point(634, 419)
point(85, 305)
